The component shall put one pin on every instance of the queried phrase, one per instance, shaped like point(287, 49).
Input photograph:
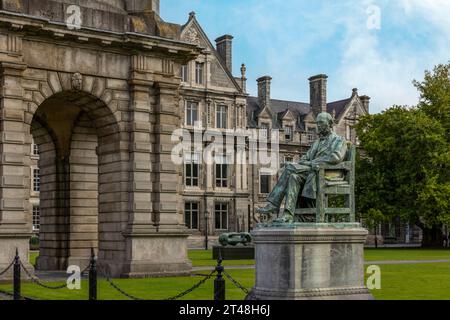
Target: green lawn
point(204, 258)
point(406, 254)
point(149, 289)
point(201, 258)
point(414, 282)
point(399, 282)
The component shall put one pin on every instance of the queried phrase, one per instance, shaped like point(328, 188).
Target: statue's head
point(324, 123)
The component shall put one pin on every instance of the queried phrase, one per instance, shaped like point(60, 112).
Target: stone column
point(156, 238)
point(15, 149)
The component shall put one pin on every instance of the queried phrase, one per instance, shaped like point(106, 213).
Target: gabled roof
point(299, 110)
point(338, 107)
point(193, 21)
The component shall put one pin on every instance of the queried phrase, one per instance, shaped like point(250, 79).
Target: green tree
point(435, 95)
point(405, 169)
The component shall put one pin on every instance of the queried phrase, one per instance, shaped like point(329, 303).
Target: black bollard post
point(219, 282)
point(93, 277)
point(16, 280)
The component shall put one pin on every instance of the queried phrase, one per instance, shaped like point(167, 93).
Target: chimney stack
point(138, 6)
point(224, 46)
point(365, 100)
point(318, 93)
point(264, 91)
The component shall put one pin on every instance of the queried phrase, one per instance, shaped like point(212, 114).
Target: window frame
point(192, 159)
point(190, 121)
point(218, 223)
point(222, 181)
point(36, 214)
point(291, 133)
point(222, 117)
point(185, 73)
point(266, 175)
point(199, 72)
point(36, 180)
point(189, 210)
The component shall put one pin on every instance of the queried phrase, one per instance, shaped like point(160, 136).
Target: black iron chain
point(182, 294)
point(7, 268)
point(37, 281)
point(116, 286)
point(237, 284)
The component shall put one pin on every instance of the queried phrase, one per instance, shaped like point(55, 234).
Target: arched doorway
point(80, 183)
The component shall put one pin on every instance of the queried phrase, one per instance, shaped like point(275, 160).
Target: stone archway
point(119, 91)
point(78, 138)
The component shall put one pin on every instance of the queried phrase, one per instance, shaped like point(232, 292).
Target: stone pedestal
point(310, 262)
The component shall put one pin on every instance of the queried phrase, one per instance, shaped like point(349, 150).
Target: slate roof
point(280, 107)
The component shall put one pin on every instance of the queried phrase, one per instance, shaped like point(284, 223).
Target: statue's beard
point(324, 132)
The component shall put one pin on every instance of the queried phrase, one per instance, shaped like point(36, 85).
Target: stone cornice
point(30, 25)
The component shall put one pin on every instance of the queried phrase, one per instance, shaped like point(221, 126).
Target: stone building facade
point(90, 97)
point(213, 101)
point(100, 97)
point(210, 92)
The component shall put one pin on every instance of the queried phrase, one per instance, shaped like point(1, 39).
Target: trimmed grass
point(414, 282)
point(383, 254)
point(399, 282)
point(33, 257)
point(148, 289)
point(202, 258)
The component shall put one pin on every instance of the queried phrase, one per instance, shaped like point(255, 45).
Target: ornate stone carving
point(192, 36)
point(77, 81)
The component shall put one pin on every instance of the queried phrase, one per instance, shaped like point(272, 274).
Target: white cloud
point(385, 70)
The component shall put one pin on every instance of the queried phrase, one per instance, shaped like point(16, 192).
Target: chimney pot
point(365, 100)
point(224, 45)
point(318, 93)
point(264, 91)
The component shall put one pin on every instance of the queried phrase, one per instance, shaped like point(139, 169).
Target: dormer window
point(264, 131)
point(311, 134)
point(288, 133)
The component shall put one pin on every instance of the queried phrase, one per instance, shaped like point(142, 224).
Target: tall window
point(222, 173)
point(264, 130)
point(264, 183)
point(311, 134)
point(36, 218)
point(36, 181)
point(199, 68)
point(221, 216)
point(288, 133)
point(348, 132)
point(35, 149)
point(184, 73)
point(191, 215)
point(222, 117)
point(192, 169)
point(191, 113)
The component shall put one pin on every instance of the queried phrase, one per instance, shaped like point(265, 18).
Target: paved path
point(384, 262)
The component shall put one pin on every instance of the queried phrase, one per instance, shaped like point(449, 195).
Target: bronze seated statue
point(327, 169)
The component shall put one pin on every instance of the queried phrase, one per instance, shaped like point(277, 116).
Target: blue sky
point(291, 40)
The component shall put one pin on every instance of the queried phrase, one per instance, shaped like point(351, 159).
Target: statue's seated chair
point(332, 180)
